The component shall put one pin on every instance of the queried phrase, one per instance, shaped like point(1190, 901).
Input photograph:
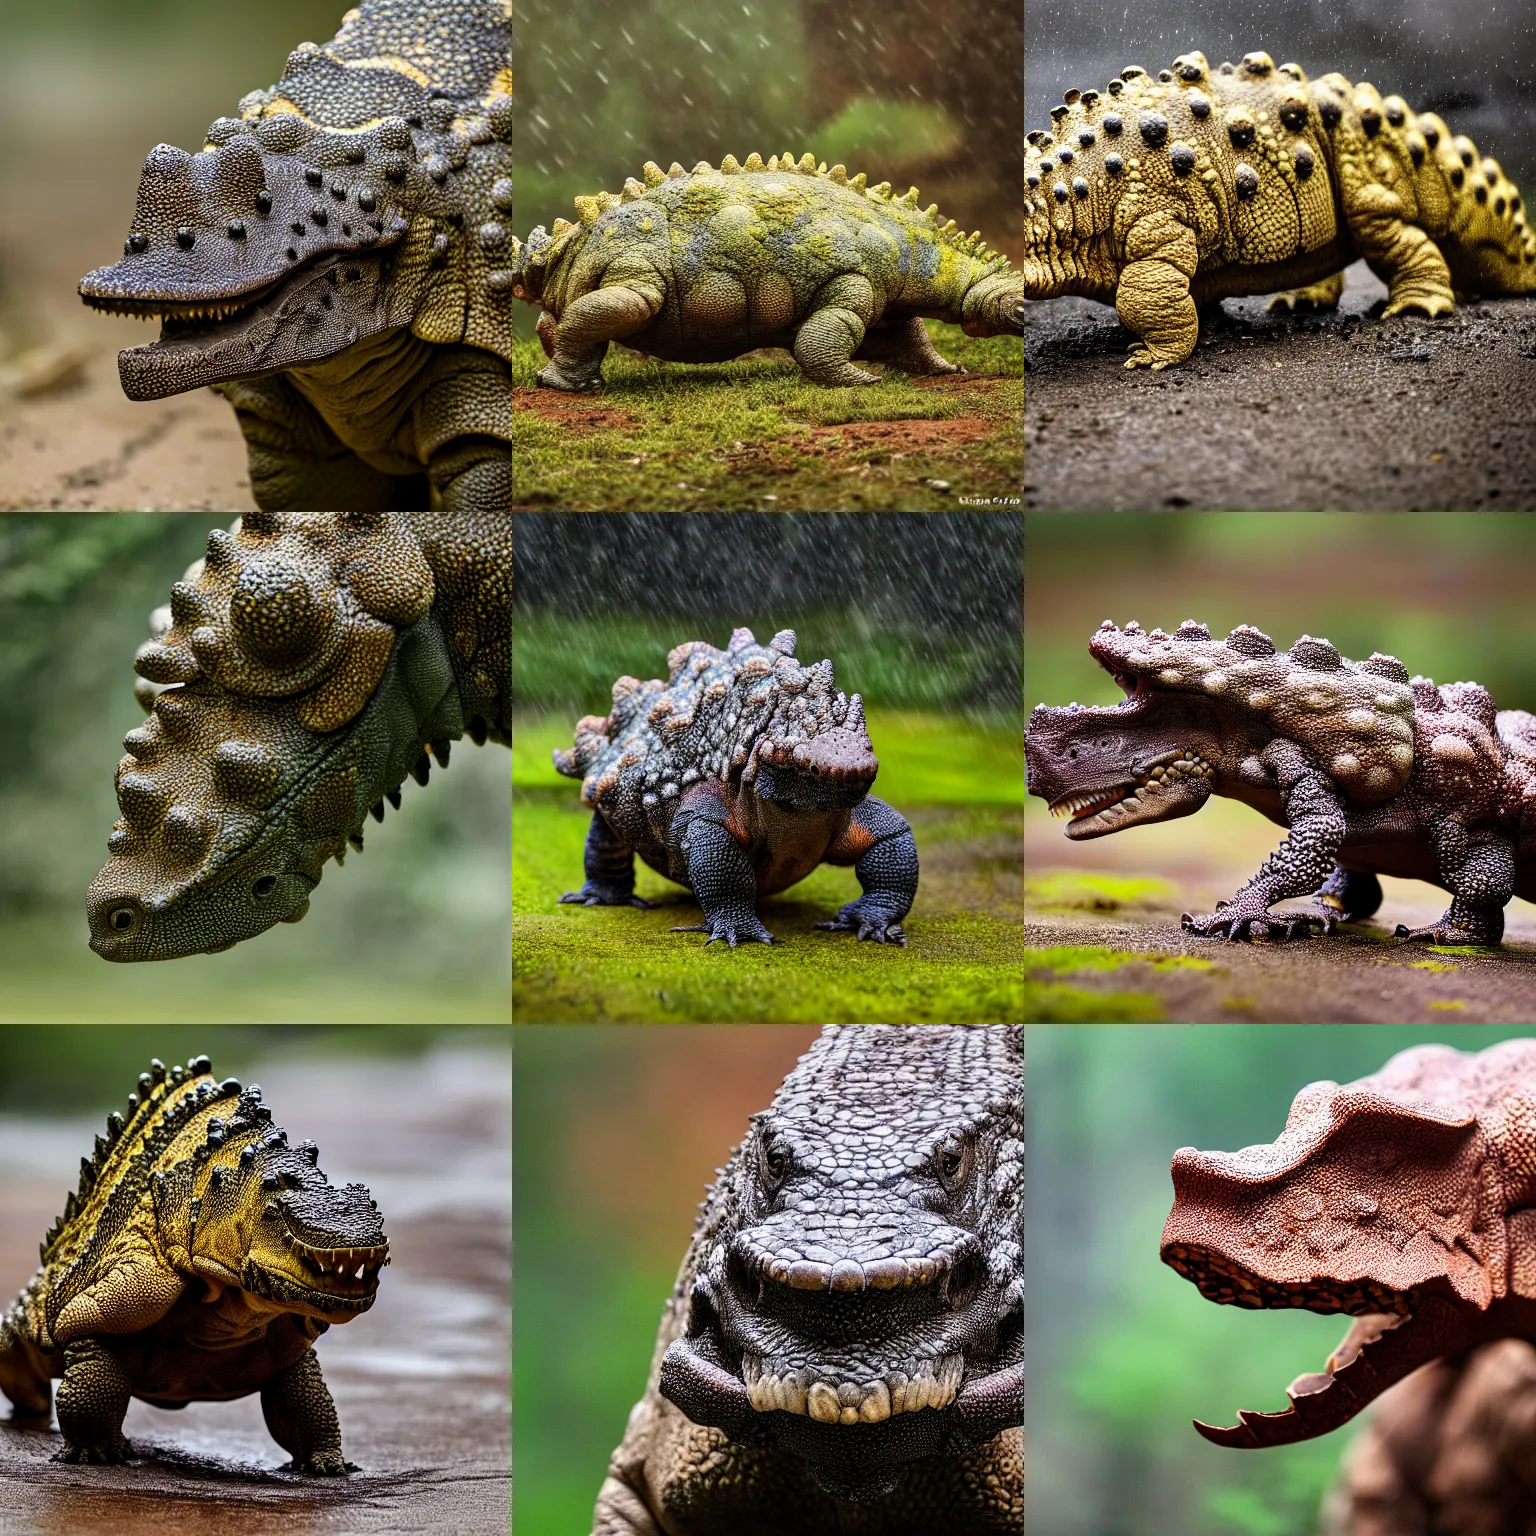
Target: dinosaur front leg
point(92, 1404)
point(1153, 298)
point(584, 330)
point(302, 1418)
point(1478, 869)
point(1314, 812)
point(834, 331)
point(609, 865)
point(472, 474)
point(1400, 254)
point(298, 464)
point(721, 876)
point(880, 846)
point(907, 346)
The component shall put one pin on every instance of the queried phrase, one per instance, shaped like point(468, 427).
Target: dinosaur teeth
point(805, 1392)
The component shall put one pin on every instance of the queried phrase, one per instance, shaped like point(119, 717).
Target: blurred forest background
point(414, 929)
point(1470, 63)
point(924, 92)
point(919, 613)
point(616, 1132)
point(1123, 1352)
point(1447, 594)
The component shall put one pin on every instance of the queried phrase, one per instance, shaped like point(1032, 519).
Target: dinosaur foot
point(1449, 933)
point(878, 927)
point(734, 930)
point(591, 895)
point(1244, 919)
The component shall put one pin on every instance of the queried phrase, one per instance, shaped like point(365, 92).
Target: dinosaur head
point(297, 680)
point(995, 305)
point(250, 1211)
point(865, 1305)
point(815, 752)
point(377, 167)
point(1400, 1200)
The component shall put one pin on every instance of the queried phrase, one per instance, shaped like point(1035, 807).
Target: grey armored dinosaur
point(309, 663)
point(199, 1260)
point(337, 262)
point(843, 1354)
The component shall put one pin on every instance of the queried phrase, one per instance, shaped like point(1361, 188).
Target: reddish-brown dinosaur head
point(1401, 1199)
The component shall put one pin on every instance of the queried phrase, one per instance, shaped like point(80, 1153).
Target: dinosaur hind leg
point(1321, 295)
point(907, 346)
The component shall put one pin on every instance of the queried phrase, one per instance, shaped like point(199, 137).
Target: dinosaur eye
point(264, 887)
point(122, 918)
point(952, 1163)
point(773, 1164)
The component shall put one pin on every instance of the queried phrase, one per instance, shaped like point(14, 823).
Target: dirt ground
point(1102, 923)
point(420, 1381)
point(1314, 412)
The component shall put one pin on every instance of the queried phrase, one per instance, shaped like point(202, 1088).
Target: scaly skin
point(703, 265)
point(1167, 194)
point(337, 261)
point(736, 778)
point(199, 1261)
point(1371, 773)
point(308, 664)
point(876, 1389)
point(1403, 1200)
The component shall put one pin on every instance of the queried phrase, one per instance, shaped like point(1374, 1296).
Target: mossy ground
point(959, 784)
point(756, 434)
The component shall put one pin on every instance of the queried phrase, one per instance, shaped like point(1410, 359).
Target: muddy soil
point(1286, 412)
point(420, 1381)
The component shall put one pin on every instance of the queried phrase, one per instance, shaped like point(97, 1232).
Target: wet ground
point(1310, 411)
point(1105, 944)
point(420, 1381)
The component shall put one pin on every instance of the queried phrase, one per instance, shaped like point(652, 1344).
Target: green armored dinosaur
point(199, 1260)
point(700, 266)
point(1166, 194)
point(309, 663)
point(336, 261)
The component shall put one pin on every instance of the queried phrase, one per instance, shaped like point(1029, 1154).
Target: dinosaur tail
point(1490, 246)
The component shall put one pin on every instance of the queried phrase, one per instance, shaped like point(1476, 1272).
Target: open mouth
point(186, 315)
point(1140, 793)
point(932, 1383)
point(1395, 1333)
point(343, 1278)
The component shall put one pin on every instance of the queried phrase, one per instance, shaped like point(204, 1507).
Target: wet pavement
point(420, 1381)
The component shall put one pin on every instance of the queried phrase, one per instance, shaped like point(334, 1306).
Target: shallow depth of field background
point(616, 1133)
point(413, 929)
point(1123, 1352)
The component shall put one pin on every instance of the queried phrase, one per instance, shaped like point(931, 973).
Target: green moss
point(1054, 1003)
point(1070, 959)
point(1096, 892)
point(624, 965)
point(1461, 951)
point(1433, 965)
point(1449, 1007)
point(756, 433)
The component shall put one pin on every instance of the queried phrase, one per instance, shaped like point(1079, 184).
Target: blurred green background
point(415, 929)
point(616, 1132)
point(1123, 1353)
point(920, 614)
point(917, 91)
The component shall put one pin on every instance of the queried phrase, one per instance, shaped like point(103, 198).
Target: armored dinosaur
point(337, 262)
point(843, 1353)
point(199, 1260)
point(703, 265)
point(736, 778)
point(302, 669)
point(1372, 773)
point(1402, 1200)
point(1158, 196)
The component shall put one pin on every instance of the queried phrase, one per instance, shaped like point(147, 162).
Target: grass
point(756, 434)
point(958, 781)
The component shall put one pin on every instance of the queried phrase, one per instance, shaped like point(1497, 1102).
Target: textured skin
point(198, 1261)
point(1403, 1199)
point(307, 664)
point(1171, 193)
point(843, 1354)
point(703, 265)
point(1448, 1450)
point(1371, 772)
point(737, 777)
point(337, 262)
